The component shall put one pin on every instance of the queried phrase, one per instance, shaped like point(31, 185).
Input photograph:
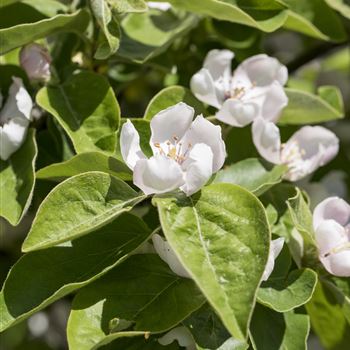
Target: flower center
point(292, 156)
point(174, 149)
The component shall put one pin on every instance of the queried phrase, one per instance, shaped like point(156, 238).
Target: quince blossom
point(185, 152)
point(308, 149)
point(255, 89)
point(331, 222)
point(14, 118)
point(35, 60)
point(163, 6)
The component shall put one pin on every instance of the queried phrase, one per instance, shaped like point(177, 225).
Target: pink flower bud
point(36, 60)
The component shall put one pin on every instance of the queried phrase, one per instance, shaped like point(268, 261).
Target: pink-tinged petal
point(158, 174)
point(171, 123)
point(267, 140)
point(203, 131)
point(237, 113)
point(204, 88)
point(338, 264)
point(167, 254)
point(182, 335)
point(275, 249)
point(198, 168)
point(332, 208)
point(262, 70)
point(130, 145)
point(330, 235)
point(218, 63)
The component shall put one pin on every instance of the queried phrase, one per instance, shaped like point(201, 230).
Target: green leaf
point(40, 278)
point(274, 331)
point(147, 35)
point(17, 179)
point(78, 206)
point(332, 95)
point(87, 109)
point(221, 235)
point(264, 15)
point(306, 108)
point(287, 293)
point(340, 6)
point(84, 162)
point(25, 33)
point(142, 290)
point(171, 96)
point(328, 320)
point(109, 39)
point(314, 18)
point(124, 6)
point(4, 3)
point(251, 174)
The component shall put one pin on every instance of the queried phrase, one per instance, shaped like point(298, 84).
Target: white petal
point(329, 235)
point(182, 335)
point(158, 174)
point(169, 123)
point(338, 264)
point(203, 131)
point(204, 88)
point(263, 70)
point(12, 136)
point(198, 168)
point(218, 63)
point(18, 103)
point(275, 249)
point(130, 145)
point(167, 254)
point(237, 113)
point(332, 208)
point(163, 6)
point(267, 140)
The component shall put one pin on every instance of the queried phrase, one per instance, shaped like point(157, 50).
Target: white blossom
point(182, 335)
point(185, 152)
point(35, 60)
point(308, 149)
point(14, 118)
point(331, 222)
point(255, 89)
point(163, 6)
point(275, 249)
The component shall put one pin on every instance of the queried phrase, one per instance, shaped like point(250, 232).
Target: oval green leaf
point(221, 235)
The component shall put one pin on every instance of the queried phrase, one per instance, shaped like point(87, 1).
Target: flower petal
point(204, 88)
point(163, 6)
point(332, 208)
point(203, 131)
point(275, 249)
point(263, 70)
point(218, 63)
point(130, 145)
point(167, 254)
point(169, 123)
point(237, 113)
point(198, 168)
point(18, 103)
point(267, 140)
point(338, 264)
point(182, 335)
point(12, 136)
point(158, 174)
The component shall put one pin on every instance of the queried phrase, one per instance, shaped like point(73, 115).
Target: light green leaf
point(306, 108)
point(40, 278)
point(171, 96)
point(287, 293)
point(49, 8)
point(77, 206)
point(17, 179)
point(142, 290)
point(340, 6)
point(275, 331)
point(124, 6)
point(147, 35)
point(332, 95)
point(314, 18)
point(251, 174)
point(221, 236)
point(84, 162)
point(109, 38)
point(4, 3)
point(25, 33)
point(87, 109)
point(264, 15)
